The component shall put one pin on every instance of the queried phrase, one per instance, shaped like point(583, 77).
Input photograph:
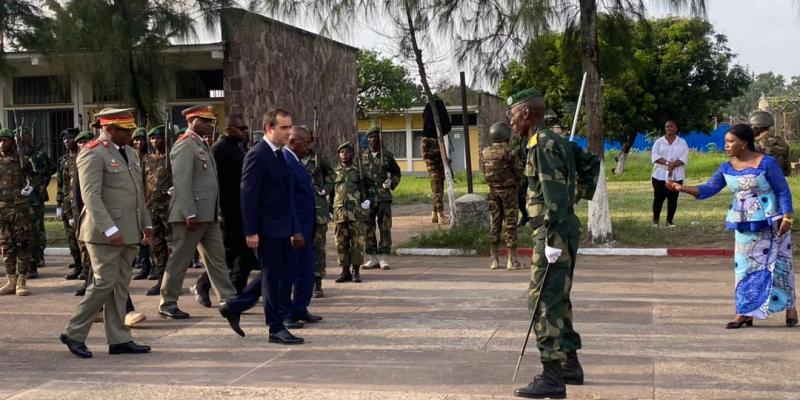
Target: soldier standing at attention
point(143, 259)
point(350, 206)
point(114, 221)
point(502, 171)
point(66, 164)
point(193, 213)
point(322, 177)
point(559, 174)
point(14, 215)
point(768, 142)
point(435, 166)
point(157, 181)
point(77, 206)
point(385, 173)
point(43, 170)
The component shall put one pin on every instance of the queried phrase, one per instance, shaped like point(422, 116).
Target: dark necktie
point(279, 154)
point(123, 154)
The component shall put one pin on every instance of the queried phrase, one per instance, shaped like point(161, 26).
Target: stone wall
point(271, 64)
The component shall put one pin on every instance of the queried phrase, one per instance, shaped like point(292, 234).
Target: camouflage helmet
point(761, 119)
point(500, 132)
point(6, 133)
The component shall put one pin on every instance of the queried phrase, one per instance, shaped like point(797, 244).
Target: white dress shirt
point(678, 150)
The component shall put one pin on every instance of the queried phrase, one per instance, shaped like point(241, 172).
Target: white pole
point(577, 110)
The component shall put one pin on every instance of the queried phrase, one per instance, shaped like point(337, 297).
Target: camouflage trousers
point(555, 335)
point(320, 266)
point(380, 215)
point(38, 238)
point(15, 234)
point(72, 239)
point(503, 208)
point(436, 175)
point(159, 248)
point(350, 243)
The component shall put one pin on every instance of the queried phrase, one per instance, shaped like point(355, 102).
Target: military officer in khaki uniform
point(113, 222)
point(193, 213)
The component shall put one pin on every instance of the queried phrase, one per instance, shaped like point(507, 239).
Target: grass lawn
point(699, 223)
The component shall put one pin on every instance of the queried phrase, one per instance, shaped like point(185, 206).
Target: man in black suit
point(270, 225)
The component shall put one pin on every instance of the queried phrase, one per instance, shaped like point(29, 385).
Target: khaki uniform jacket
point(112, 193)
point(194, 177)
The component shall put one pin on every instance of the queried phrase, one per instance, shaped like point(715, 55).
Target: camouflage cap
point(761, 119)
point(345, 145)
point(70, 133)
point(84, 135)
point(523, 96)
point(159, 130)
point(500, 132)
point(375, 130)
point(139, 133)
point(6, 133)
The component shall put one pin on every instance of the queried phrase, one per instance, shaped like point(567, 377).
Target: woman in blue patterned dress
point(761, 216)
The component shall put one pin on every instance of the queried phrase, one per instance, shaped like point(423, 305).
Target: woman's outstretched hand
point(674, 186)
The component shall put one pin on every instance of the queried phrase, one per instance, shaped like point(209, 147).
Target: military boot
point(442, 218)
point(434, 218)
point(383, 263)
point(513, 263)
point(356, 274)
point(571, 367)
point(146, 266)
point(548, 385)
point(74, 274)
point(495, 264)
point(10, 287)
point(345, 276)
point(371, 263)
point(33, 271)
point(21, 289)
point(318, 293)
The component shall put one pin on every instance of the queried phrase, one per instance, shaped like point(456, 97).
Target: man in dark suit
point(270, 225)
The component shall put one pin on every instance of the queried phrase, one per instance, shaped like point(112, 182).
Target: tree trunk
point(423, 77)
point(627, 143)
point(599, 213)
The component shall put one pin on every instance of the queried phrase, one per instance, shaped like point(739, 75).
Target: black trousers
point(660, 193)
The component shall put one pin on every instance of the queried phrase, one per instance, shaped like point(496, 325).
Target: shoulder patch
point(183, 137)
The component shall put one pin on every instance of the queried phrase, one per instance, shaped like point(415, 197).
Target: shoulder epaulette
point(95, 143)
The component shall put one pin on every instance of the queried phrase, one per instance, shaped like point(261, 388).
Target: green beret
point(345, 145)
point(69, 132)
point(6, 133)
point(84, 135)
point(157, 131)
point(375, 130)
point(139, 133)
point(523, 96)
point(305, 128)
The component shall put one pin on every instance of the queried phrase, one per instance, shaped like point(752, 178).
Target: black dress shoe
point(233, 319)
point(76, 347)
point(143, 273)
point(307, 318)
point(201, 295)
point(173, 313)
point(285, 337)
point(293, 324)
point(76, 272)
point(154, 290)
point(128, 348)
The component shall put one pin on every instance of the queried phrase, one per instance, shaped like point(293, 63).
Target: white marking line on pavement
point(259, 366)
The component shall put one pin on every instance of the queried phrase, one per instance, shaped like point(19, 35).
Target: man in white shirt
point(670, 154)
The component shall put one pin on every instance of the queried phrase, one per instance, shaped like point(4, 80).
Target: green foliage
point(767, 84)
point(383, 85)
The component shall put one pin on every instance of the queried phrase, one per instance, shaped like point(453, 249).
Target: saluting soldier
point(66, 164)
point(15, 224)
point(385, 174)
point(502, 171)
point(157, 181)
point(323, 177)
point(114, 221)
point(194, 213)
point(769, 142)
point(43, 170)
point(350, 205)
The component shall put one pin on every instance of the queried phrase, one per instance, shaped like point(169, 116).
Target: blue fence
point(696, 140)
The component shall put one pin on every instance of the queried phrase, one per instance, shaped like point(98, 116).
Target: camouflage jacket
point(379, 171)
point(43, 169)
point(348, 198)
point(773, 145)
point(157, 181)
point(66, 170)
point(502, 168)
point(13, 179)
point(559, 174)
point(323, 178)
point(431, 153)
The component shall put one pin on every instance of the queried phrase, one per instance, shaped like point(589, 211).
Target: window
point(416, 146)
point(41, 90)
point(46, 125)
point(395, 142)
point(457, 120)
point(199, 84)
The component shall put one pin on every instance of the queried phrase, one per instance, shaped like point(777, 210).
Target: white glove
point(171, 191)
point(330, 215)
point(387, 184)
point(59, 212)
point(551, 253)
point(322, 192)
point(26, 191)
point(71, 222)
point(365, 204)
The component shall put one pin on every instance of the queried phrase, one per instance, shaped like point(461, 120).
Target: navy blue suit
point(306, 211)
point(269, 212)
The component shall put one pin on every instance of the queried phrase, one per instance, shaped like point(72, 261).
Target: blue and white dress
point(762, 260)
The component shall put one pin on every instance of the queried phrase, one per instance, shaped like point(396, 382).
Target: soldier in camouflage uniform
point(769, 142)
point(350, 207)
point(435, 166)
point(502, 171)
point(43, 170)
point(323, 177)
point(139, 140)
point(385, 174)
point(520, 147)
point(77, 205)
point(14, 215)
point(559, 174)
point(64, 198)
point(157, 181)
